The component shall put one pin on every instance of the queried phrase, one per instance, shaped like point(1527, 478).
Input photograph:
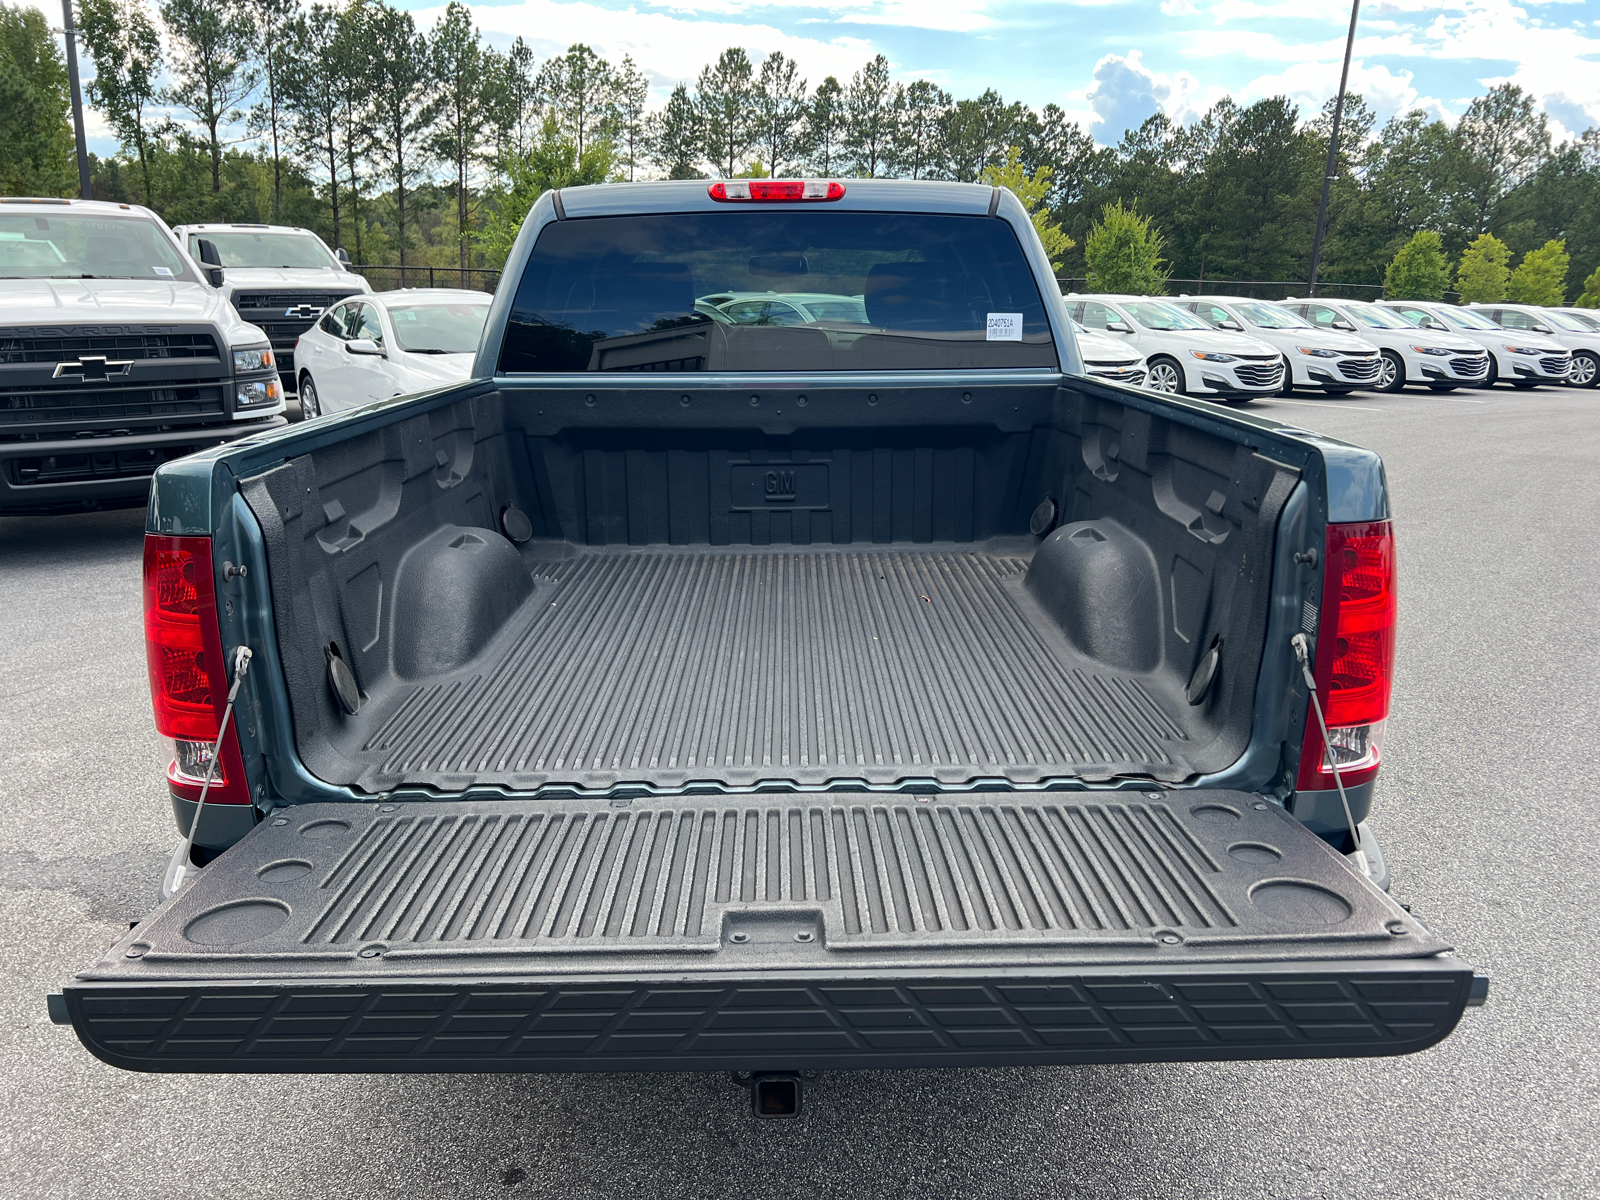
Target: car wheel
point(310, 402)
point(1493, 377)
point(1391, 372)
point(1288, 379)
point(1165, 376)
point(1585, 371)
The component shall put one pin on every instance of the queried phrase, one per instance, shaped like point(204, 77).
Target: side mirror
point(1542, 329)
point(1345, 326)
point(1119, 327)
point(364, 346)
point(343, 256)
point(211, 260)
point(1437, 326)
point(1233, 326)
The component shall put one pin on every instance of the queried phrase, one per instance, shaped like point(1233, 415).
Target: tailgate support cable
point(1301, 651)
point(241, 664)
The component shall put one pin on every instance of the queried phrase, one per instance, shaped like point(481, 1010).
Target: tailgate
point(759, 932)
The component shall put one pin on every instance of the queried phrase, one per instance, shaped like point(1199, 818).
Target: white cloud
point(1125, 92)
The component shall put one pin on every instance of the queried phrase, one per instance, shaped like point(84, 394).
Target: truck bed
point(671, 666)
point(1009, 586)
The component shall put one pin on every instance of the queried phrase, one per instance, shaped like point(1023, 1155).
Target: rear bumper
point(68, 472)
point(998, 1016)
point(781, 932)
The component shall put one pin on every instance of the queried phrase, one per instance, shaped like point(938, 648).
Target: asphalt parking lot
point(1489, 811)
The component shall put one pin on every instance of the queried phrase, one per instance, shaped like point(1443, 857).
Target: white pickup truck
point(116, 355)
point(278, 277)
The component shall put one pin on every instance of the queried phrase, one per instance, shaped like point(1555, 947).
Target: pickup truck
point(278, 277)
point(116, 355)
point(677, 694)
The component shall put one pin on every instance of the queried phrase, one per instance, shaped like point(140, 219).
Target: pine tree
point(213, 44)
point(869, 113)
point(675, 138)
point(724, 95)
point(921, 109)
point(126, 48)
point(470, 82)
point(630, 95)
point(780, 109)
point(824, 130)
point(1541, 277)
point(1419, 270)
point(402, 111)
point(578, 88)
point(313, 95)
point(1484, 270)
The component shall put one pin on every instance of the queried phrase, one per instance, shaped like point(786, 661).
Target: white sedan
point(387, 344)
point(1184, 354)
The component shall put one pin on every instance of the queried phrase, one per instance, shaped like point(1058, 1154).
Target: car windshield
point(441, 328)
point(1463, 318)
point(1584, 322)
point(243, 248)
point(1268, 316)
point(82, 245)
point(1153, 314)
point(807, 291)
point(1562, 321)
point(1378, 318)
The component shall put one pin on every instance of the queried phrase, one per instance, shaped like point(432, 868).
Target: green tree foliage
point(676, 138)
point(825, 127)
point(272, 19)
point(1123, 252)
point(313, 98)
point(1419, 271)
point(1502, 138)
point(780, 112)
point(1032, 189)
point(630, 95)
point(921, 110)
point(213, 45)
point(1590, 296)
point(402, 115)
point(725, 95)
point(121, 39)
point(553, 162)
point(1541, 276)
point(869, 105)
point(469, 104)
point(1484, 270)
point(36, 144)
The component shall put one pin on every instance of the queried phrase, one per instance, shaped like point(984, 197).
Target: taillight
point(777, 189)
point(188, 677)
point(1355, 656)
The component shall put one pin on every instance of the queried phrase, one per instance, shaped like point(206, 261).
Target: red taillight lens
point(777, 190)
point(188, 678)
point(1355, 655)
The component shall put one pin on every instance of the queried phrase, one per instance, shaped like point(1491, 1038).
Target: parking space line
point(1325, 404)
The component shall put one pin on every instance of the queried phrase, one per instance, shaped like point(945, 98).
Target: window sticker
point(1005, 327)
point(164, 272)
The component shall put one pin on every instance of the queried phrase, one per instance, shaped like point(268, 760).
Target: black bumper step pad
point(699, 933)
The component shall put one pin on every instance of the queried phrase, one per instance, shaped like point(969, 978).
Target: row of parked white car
point(373, 346)
point(1234, 349)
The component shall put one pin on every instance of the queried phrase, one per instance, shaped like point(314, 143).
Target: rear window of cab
point(777, 291)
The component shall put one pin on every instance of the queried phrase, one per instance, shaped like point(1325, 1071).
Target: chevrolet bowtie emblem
point(303, 310)
point(93, 367)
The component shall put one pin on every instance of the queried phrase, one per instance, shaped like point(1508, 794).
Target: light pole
point(1333, 149)
point(77, 99)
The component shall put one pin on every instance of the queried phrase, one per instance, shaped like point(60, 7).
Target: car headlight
point(1316, 353)
point(256, 392)
point(1524, 350)
point(1431, 350)
point(253, 358)
point(1213, 356)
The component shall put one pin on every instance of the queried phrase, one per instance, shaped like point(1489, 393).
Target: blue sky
point(1109, 63)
